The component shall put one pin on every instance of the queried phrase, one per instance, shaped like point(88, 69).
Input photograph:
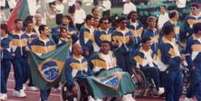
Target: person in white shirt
point(3, 3)
point(2, 16)
point(51, 14)
point(59, 7)
point(12, 4)
point(128, 7)
point(106, 7)
point(144, 59)
point(38, 20)
point(79, 15)
point(71, 2)
point(95, 12)
point(163, 17)
point(181, 3)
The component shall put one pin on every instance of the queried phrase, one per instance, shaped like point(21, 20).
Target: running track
point(54, 96)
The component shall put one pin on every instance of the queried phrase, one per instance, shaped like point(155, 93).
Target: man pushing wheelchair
point(100, 75)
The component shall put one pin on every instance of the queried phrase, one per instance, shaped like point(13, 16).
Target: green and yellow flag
point(47, 69)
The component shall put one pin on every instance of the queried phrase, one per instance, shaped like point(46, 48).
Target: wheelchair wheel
point(140, 81)
point(67, 95)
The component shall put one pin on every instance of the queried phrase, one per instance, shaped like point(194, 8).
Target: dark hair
point(195, 5)
point(69, 18)
point(27, 23)
point(5, 27)
point(17, 20)
point(79, 2)
point(167, 28)
point(173, 13)
point(28, 20)
point(62, 28)
point(132, 12)
point(163, 6)
point(52, 3)
point(41, 28)
point(120, 19)
point(197, 27)
point(150, 18)
point(71, 9)
point(93, 9)
point(103, 19)
point(59, 19)
point(108, 42)
point(145, 39)
point(89, 17)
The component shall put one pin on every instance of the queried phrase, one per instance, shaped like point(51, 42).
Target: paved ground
point(54, 96)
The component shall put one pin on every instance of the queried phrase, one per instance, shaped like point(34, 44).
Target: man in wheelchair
point(143, 59)
point(108, 79)
point(76, 69)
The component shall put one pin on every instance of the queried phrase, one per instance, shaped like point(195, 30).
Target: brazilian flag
point(47, 69)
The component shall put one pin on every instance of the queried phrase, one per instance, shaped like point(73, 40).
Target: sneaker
point(99, 100)
point(32, 88)
point(161, 91)
point(91, 98)
point(128, 97)
point(3, 96)
point(20, 93)
point(24, 87)
point(60, 87)
point(187, 99)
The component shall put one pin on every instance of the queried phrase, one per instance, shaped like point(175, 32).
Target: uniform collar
point(145, 52)
point(18, 33)
point(135, 24)
point(107, 30)
point(4, 37)
point(78, 59)
point(125, 30)
point(173, 22)
point(195, 38)
point(30, 33)
point(101, 55)
point(44, 41)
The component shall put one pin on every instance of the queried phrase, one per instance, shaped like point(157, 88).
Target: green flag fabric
point(113, 82)
point(20, 11)
point(47, 69)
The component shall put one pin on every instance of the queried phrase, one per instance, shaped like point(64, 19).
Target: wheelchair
point(81, 95)
point(145, 86)
point(186, 74)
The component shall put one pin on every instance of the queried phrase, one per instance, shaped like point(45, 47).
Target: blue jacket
point(139, 25)
point(20, 50)
point(81, 67)
point(172, 62)
point(117, 37)
point(187, 29)
point(139, 52)
point(99, 34)
point(6, 49)
point(197, 60)
point(148, 33)
point(56, 31)
point(88, 45)
point(40, 47)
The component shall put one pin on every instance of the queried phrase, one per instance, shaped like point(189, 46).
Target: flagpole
point(14, 15)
